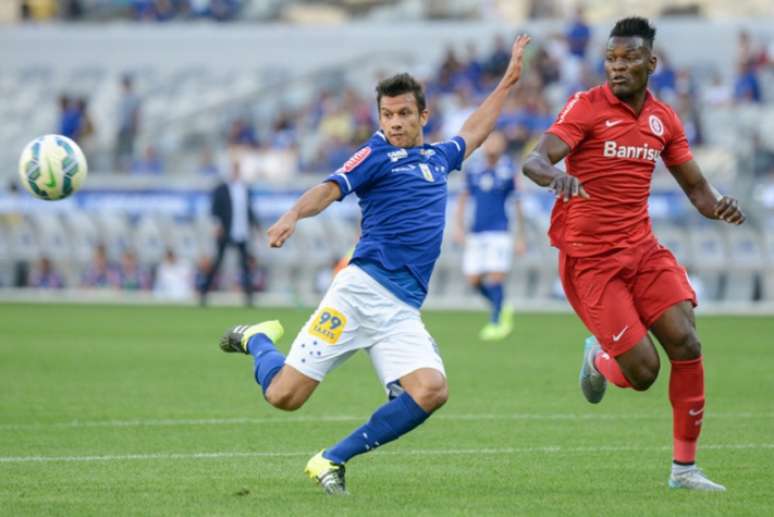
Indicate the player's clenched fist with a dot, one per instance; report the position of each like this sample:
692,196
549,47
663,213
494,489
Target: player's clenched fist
281,231
727,209
566,187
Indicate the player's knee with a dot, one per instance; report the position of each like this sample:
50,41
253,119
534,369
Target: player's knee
282,399
687,346
644,375
432,395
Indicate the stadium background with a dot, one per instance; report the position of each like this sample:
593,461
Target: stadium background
286,88
125,406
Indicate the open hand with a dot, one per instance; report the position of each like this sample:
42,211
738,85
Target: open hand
513,72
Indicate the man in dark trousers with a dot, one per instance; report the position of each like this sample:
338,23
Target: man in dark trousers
231,208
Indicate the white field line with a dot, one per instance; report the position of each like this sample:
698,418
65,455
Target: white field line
350,418
554,449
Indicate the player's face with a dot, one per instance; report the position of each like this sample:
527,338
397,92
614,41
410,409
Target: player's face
401,121
628,63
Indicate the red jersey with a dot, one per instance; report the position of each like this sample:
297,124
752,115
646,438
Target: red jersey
613,153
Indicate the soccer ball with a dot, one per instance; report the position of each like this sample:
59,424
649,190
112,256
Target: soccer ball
52,167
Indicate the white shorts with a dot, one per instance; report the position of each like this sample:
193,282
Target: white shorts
487,252
356,313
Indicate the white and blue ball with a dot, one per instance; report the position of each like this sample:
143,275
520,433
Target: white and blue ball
52,167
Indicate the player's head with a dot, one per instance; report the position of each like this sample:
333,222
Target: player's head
629,58
494,147
402,110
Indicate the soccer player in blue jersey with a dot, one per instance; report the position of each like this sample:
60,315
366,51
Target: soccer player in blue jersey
490,181
373,304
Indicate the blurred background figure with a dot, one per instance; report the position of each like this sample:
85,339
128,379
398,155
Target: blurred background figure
45,276
234,217
174,278
101,272
128,124
132,276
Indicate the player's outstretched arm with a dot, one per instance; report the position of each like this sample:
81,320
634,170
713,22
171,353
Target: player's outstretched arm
707,200
539,167
311,203
482,121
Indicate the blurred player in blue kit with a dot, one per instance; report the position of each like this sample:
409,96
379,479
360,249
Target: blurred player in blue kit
490,180
373,304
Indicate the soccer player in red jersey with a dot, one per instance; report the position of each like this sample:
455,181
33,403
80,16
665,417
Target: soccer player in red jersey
619,280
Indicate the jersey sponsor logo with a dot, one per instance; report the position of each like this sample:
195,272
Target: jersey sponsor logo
427,153
405,168
656,125
328,325
355,160
426,172
397,155
611,123
613,150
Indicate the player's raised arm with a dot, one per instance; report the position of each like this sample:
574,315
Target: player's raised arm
539,167
707,200
311,203
482,121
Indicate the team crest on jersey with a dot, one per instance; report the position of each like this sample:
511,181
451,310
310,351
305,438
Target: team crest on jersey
426,172
656,125
397,155
355,160
328,324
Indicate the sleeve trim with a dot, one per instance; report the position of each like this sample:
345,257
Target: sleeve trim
349,185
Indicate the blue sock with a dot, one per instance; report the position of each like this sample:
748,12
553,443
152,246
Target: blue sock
394,419
268,360
484,290
496,292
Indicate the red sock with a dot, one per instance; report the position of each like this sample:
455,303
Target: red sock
610,370
686,393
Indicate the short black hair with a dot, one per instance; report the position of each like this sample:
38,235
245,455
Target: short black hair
398,85
635,26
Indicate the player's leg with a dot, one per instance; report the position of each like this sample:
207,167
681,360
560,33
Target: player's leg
676,331
620,351
666,299
473,262
408,364
247,277
283,386
326,340
205,288
423,391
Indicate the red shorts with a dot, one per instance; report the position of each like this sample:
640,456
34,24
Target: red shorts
619,295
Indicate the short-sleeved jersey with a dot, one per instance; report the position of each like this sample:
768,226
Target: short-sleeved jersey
402,194
490,187
613,153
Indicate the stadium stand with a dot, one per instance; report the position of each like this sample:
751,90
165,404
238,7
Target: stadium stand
211,97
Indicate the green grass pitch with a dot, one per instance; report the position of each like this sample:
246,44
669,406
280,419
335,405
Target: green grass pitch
121,410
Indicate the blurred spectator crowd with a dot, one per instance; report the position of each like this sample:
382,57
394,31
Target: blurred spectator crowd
139,10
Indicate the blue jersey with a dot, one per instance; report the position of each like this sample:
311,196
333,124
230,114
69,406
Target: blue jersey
490,187
402,194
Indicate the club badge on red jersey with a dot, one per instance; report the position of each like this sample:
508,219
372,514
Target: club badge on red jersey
656,125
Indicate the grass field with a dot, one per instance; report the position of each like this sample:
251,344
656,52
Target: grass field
119,410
